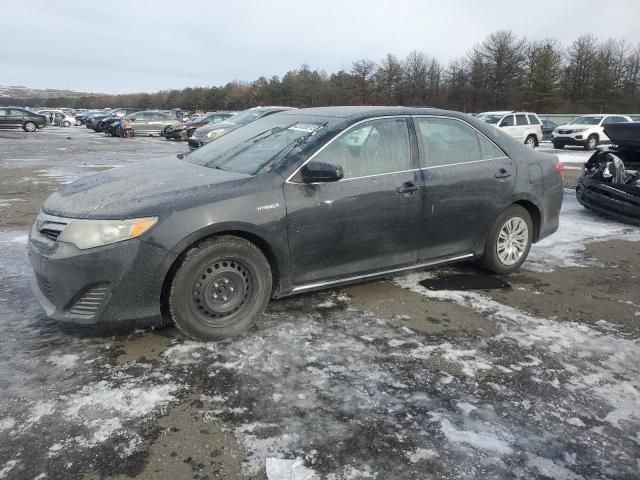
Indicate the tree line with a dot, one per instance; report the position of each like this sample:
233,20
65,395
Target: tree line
504,71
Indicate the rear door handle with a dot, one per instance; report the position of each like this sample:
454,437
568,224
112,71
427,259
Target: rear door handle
408,188
502,173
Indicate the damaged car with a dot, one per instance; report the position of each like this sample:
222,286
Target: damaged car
610,181
292,202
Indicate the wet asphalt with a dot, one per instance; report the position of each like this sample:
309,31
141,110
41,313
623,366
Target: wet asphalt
396,379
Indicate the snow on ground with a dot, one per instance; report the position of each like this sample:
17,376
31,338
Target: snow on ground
578,227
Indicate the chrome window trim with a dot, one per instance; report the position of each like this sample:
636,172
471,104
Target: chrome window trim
295,172
311,286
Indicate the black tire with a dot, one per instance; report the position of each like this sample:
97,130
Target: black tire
591,143
558,145
66,124
220,288
29,127
531,141
166,130
491,260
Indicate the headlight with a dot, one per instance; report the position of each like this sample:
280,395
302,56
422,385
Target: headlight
578,130
95,233
215,133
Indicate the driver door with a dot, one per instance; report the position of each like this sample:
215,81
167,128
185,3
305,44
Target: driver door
366,222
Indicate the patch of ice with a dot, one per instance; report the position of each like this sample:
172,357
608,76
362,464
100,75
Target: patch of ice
421,454
548,468
64,361
466,408
284,469
327,304
478,440
8,466
7,423
7,237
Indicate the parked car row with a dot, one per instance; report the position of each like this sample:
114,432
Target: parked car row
587,131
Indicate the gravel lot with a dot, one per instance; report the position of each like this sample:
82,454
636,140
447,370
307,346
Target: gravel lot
386,380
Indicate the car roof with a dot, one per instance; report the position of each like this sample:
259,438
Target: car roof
356,112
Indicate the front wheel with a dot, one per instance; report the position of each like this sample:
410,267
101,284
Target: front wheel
509,241
220,289
558,145
29,127
592,143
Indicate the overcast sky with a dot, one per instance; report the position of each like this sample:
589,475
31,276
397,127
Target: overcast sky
134,46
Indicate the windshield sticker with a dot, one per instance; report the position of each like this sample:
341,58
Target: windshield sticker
304,127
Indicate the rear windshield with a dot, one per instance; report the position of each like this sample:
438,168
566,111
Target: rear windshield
587,120
256,146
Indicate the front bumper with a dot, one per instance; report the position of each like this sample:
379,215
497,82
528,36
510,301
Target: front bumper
103,285
176,135
573,139
609,201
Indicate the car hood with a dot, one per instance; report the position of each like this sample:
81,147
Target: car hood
214,126
573,126
149,188
624,134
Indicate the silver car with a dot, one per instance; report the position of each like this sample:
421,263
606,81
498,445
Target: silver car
150,122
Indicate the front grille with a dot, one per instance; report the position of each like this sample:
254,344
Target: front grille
51,226
565,132
89,303
45,287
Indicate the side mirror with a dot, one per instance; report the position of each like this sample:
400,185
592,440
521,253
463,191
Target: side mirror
321,172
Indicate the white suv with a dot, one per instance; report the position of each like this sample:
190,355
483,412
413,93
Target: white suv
586,131
523,126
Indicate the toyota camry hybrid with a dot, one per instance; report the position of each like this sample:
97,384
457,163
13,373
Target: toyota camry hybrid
293,202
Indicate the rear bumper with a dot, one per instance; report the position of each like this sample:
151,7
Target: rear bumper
609,201
550,211
109,285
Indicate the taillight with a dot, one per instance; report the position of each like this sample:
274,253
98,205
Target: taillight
560,168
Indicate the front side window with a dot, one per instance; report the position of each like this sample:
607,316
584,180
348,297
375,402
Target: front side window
16,113
521,120
371,148
446,141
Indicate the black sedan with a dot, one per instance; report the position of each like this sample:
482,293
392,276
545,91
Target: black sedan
293,202
610,181
11,117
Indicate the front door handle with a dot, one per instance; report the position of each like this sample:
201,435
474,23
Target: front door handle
502,173
408,188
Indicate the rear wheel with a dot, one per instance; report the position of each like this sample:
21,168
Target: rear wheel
29,127
220,289
592,142
531,141
66,123
509,241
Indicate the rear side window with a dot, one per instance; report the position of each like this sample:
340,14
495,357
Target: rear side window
521,120
533,120
507,121
371,148
446,141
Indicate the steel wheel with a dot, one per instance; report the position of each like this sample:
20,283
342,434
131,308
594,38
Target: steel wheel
513,240
220,290
592,142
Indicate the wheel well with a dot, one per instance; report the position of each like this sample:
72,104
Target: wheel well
594,135
259,242
535,216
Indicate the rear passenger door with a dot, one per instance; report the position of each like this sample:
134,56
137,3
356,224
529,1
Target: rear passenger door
468,180
522,126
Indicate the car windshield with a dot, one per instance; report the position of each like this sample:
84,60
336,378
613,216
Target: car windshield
491,118
587,120
247,150
245,117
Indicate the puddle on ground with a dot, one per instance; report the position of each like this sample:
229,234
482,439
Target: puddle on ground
465,282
